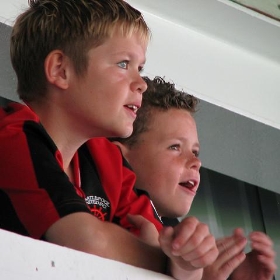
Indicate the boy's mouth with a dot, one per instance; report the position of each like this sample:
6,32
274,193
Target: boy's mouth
190,184
134,108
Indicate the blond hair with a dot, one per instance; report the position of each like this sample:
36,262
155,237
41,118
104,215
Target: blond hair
72,26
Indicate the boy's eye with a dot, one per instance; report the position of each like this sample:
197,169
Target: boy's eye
140,69
196,153
174,147
123,64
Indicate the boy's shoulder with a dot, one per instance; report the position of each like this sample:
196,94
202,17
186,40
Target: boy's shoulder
103,151
102,144
107,155
15,112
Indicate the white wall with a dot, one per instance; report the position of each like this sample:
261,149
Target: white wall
231,60
10,9
28,259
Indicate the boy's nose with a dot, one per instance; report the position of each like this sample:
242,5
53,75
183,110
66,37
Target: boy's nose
139,85
195,163
144,86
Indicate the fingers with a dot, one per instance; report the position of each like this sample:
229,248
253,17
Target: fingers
221,269
147,230
262,245
204,254
230,256
238,232
260,237
190,243
190,232
231,252
165,239
231,245
268,263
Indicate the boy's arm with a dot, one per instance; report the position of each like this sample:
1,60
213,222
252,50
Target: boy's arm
83,232
180,273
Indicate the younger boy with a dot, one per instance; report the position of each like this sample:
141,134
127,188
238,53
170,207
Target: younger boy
163,151
78,64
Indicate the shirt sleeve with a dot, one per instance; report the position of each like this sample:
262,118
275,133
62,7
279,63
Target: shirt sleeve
35,192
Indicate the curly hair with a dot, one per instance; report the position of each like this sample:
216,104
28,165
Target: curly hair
160,95
72,26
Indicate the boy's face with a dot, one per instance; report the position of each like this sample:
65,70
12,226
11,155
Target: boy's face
105,99
166,163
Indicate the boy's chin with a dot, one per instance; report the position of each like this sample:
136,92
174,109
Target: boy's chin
120,133
183,211
177,213
126,134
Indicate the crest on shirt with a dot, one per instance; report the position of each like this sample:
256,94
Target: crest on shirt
99,206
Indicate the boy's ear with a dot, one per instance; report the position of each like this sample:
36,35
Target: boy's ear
56,68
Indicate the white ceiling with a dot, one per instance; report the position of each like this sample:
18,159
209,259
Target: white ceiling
223,20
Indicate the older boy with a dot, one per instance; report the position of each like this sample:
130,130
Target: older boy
163,151
78,64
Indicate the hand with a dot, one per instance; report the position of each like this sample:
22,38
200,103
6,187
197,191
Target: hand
260,262
189,245
147,230
231,255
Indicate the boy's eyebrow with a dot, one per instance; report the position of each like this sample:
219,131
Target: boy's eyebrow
196,144
129,53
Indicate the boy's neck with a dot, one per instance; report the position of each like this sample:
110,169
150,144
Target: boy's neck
62,131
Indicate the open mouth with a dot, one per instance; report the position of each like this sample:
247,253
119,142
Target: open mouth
133,108
191,185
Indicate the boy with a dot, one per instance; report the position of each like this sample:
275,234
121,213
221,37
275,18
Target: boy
78,65
163,151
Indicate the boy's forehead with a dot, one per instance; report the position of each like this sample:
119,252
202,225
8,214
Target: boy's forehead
171,121
130,45
127,29
172,113
142,38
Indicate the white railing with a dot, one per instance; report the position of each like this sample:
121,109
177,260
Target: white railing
25,258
